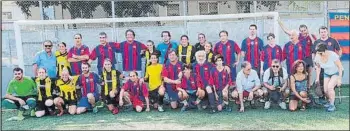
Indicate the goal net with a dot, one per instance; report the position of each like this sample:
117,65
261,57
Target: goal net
29,34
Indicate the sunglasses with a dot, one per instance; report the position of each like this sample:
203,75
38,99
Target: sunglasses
274,66
48,45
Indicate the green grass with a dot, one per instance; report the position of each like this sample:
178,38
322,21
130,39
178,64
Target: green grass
255,119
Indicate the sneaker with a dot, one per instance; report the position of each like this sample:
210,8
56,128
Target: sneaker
212,111
267,105
331,108
261,100
128,108
283,105
252,104
322,101
99,104
204,107
160,108
184,108
302,108
32,112
15,118
228,108
199,107
95,109
327,105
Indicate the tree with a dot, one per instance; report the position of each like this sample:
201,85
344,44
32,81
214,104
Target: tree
84,9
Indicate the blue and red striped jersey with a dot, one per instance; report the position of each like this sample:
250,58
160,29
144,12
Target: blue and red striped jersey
308,43
269,53
101,53
89,84
172,71
252,49
76,66
203,73
136,90
131,53
188,84
293,52
219,79
227,50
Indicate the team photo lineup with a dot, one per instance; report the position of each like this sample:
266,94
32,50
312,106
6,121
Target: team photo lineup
199,76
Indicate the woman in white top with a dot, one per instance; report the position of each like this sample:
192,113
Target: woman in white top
330,62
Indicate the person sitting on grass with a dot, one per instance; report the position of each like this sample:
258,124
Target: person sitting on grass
188,89
68,95
298,86
135,92
248,85
111,86
45,100
275,84
20,94
88,83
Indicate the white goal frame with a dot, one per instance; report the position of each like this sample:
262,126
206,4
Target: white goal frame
17,24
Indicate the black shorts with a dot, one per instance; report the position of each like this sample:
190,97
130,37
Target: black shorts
108,100
70,102
40,105
24,98
308,61
154,96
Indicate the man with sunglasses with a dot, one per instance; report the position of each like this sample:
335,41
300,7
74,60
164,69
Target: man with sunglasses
21,94
47,59
103,51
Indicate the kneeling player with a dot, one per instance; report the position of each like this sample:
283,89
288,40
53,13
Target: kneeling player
248,85
68,95
110,87
188,92
220,81
45,102
88,82
135,92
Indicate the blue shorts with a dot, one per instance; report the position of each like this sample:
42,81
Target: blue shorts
329,76
84,102
173,96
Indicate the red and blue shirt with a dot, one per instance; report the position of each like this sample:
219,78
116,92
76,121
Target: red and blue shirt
101,52
227,50
172,71
293,52
89,83
269,53
131,53
219,79
76,66
203,73
136,90
188,84
252,49
308,43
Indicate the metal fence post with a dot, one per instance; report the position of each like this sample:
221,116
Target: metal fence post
41,10
114,37
325,13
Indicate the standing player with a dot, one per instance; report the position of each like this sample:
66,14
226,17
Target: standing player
209,52
252,48
220,81
106,50
45,100
293,51
270,52
68,95
165,46
307,39
110,86
186,51
88,84
62,59
332,45
131,53
227,48
202,40
137,91
188,89
151,50
78,54
20,94
171,77
155,83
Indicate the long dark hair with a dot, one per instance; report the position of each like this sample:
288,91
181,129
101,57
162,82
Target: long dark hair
296,64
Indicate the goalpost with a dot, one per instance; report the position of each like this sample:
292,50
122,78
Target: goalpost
30,33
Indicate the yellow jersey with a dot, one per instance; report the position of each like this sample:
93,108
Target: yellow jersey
153,73
67,89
